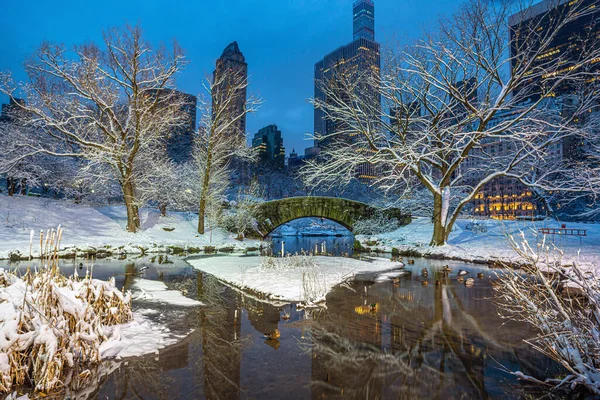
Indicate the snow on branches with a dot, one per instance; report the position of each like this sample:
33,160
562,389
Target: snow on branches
456,110
108,106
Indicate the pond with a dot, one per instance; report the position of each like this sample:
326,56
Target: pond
441,342
336,245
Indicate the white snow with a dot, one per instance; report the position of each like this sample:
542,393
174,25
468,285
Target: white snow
156,291
289,284
23,325
492,245
386,276
88,226
136,338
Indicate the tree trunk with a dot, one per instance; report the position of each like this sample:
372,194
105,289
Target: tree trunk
201,212
163,209
10,185
23,185
204,192
133,215
440,231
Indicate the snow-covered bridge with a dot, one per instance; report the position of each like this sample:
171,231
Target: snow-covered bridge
272,214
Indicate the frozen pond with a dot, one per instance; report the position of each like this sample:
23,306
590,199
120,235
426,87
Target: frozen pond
443,342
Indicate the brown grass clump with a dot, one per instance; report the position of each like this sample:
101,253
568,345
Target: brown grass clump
52,324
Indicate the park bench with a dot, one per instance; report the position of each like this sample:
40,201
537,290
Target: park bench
564,231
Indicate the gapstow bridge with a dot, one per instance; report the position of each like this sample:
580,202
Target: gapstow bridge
272,214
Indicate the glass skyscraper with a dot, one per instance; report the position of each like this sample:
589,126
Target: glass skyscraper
358,58
364,20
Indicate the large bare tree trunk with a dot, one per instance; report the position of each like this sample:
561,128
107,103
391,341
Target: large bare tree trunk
133,215
440,231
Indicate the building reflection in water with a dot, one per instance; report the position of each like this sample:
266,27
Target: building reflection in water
435,341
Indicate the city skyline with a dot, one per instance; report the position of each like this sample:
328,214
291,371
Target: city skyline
279,49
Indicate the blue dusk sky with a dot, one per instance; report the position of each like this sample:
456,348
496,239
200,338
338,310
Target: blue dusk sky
281,40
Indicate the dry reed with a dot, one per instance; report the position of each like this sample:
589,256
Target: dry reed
52,324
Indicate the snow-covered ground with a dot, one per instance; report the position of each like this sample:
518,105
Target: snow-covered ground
156,291
289,284
491,245
94,227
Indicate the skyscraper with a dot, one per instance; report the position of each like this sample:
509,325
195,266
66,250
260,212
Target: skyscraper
358,58
568,45
231,69
364,20
269,143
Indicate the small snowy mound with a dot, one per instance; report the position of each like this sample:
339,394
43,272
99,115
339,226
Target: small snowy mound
136,338
386,276
156,291
305,279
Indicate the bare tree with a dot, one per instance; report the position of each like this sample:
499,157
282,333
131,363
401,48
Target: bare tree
109,104
219,140
460,111
568,322
240,218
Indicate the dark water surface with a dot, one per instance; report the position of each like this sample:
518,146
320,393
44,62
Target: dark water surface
421,342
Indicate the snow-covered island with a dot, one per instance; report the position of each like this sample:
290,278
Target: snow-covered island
289,279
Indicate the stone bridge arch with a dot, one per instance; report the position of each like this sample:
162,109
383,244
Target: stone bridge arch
272,214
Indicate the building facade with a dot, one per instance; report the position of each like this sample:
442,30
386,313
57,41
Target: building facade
358,58
567,48
269,143
230,77
180,140
507,198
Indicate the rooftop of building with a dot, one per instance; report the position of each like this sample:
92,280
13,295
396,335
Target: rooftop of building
535,10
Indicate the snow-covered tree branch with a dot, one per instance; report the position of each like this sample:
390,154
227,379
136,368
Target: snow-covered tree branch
109,106
458,111
219,140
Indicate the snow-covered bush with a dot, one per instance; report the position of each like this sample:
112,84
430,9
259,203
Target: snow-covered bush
378,223
52,324
240,216
476,227
314,287
563,304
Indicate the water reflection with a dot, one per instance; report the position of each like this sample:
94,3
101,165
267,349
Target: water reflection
436,341
336,245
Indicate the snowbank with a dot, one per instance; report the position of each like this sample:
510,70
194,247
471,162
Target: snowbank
88,227
305,282
136,338
50,323
156,291
489,246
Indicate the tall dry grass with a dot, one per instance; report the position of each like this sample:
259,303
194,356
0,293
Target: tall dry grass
52,325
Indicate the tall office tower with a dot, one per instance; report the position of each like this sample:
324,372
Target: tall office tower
181,141
364,20
568,45
358,58
233,63
181,137
269,143
507,198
